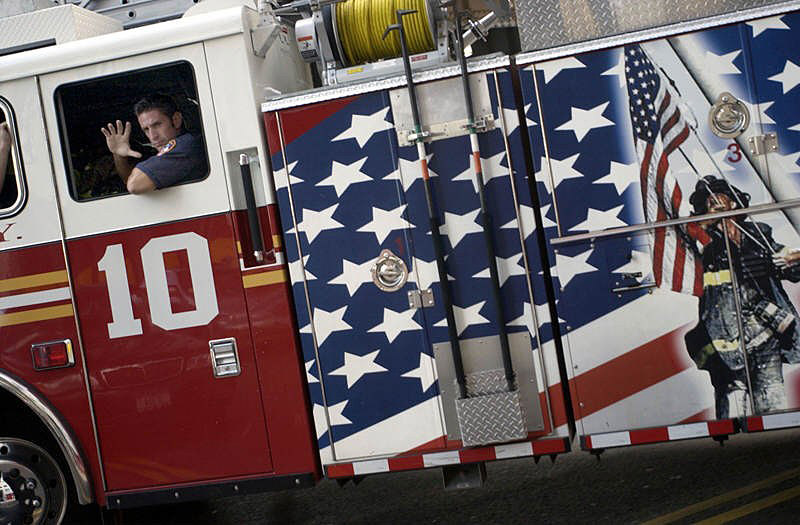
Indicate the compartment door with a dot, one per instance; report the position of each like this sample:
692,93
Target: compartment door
157,283
369,363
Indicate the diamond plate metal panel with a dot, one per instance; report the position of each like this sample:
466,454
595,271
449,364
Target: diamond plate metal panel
492,418
550,23
486,382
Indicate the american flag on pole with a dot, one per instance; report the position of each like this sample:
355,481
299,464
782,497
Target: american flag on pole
659,129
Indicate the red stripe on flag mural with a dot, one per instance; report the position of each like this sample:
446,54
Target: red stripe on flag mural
642,367
649,435
297,121
644,177
406,463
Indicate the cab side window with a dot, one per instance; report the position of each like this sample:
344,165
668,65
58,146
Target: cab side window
169,148
12,188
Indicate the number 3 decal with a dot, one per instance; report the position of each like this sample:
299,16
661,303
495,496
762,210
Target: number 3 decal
112,263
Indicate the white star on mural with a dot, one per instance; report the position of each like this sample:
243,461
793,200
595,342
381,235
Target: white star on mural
296,270
325,323
759,26
409,172
354,275
363,127
763,107
570,266
506,267
428,273
343,175
562,170
585,120
526,319
281,179
528,220
311,378
356,366
722,64
789,77
786,163
492,168
315,222
395,323
621,176
320,421
552,68
601,219
424,372
456,227
639,263
336,416
512,119
385,222
618,69
466,317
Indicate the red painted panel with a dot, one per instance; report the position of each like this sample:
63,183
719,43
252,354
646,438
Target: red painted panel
64,388
549,446
162,416
754,424
281,375
344,470
724,426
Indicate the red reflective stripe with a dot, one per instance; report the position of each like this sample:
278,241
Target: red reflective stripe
550,446
716,428
474,455
406,463
755,424
342,470
649,435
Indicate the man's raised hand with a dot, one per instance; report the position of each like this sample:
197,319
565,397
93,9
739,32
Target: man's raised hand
118,139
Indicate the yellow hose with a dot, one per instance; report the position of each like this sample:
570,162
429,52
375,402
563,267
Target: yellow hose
361,23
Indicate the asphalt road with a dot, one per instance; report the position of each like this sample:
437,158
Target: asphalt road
753,478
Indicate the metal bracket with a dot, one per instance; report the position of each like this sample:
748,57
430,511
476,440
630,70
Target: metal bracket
763,144
420,299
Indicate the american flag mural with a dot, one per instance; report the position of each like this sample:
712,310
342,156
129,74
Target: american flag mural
346,192
599,159
626,357
659,130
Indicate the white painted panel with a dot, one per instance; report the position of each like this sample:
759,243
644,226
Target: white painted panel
371,467
689,431
129,211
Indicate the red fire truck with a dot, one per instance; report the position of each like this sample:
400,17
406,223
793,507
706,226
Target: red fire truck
395,258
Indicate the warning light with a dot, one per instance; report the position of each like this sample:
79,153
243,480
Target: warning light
54,354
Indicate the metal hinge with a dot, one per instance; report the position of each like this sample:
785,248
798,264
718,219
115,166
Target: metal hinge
420,299
763,144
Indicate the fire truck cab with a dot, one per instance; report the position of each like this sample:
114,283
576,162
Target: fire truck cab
135,322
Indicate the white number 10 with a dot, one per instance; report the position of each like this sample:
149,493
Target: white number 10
123,322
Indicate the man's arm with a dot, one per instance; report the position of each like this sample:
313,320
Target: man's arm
5,152
118,139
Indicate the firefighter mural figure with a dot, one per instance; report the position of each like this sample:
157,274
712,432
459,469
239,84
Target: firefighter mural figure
769,319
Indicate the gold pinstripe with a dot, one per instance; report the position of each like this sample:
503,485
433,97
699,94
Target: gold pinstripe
264,278
33,280
38,314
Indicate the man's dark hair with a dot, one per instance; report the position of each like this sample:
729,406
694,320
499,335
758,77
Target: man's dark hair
709,185
157,101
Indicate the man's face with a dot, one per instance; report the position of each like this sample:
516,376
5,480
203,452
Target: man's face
719,202
159,127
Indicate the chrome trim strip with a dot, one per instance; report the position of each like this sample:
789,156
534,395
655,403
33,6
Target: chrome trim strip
656,32
359,88
58,428
599,234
